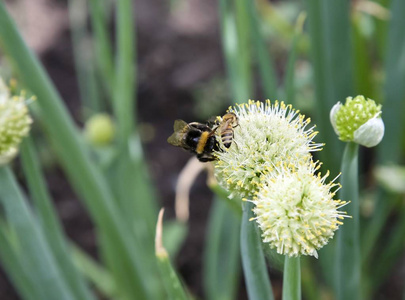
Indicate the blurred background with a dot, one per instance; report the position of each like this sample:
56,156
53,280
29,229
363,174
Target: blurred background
182,74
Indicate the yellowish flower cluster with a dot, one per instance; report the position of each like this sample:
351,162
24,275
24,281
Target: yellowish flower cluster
15,123
270,164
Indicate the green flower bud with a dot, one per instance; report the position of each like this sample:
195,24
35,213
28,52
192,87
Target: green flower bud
15,123
99,130
358,120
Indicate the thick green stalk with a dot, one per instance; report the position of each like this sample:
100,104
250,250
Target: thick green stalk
223,195
289,77
49,221
244,45
390,149
83,174
11,263
221,253
264,60
348,260
311,288
30,243
103,49
231,43
392,251
95,273
125,73
329,31
292,278
254,264
83,57
363,72
133,188
171,281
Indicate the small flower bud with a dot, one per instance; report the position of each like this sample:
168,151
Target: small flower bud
99,130
15,123
296,211
358,120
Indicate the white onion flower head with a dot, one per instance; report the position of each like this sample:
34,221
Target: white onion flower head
15,123
358,120
296,212
267,136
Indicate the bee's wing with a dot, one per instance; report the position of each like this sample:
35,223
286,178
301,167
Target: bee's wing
214,121
176,139
179,125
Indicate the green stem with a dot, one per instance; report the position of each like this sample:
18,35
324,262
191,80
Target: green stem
310,285
97,274
49,221
83,56
289,77
292,278
348,260
104,56
390,149
83,174
174,287
125,80
223,194
329,31
264,59
30,244
221,253
231,44
15,268
253,261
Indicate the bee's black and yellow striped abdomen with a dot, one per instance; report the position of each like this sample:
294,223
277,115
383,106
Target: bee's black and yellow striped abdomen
227,137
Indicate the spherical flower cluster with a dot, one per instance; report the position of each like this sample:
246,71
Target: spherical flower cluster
270,164
15,123
358,120
267,136
296,211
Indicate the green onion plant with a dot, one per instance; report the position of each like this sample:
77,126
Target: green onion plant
274,218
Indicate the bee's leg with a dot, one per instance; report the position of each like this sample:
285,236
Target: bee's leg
213,131
233,141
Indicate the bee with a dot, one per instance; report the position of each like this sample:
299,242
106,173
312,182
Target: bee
225,128
195,137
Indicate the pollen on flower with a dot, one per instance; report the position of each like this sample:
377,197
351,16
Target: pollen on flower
295,211
15,123
268,135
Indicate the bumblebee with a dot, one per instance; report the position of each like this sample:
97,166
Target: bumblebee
195,137
225,128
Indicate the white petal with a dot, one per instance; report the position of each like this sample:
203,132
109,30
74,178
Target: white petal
332,115
370,133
